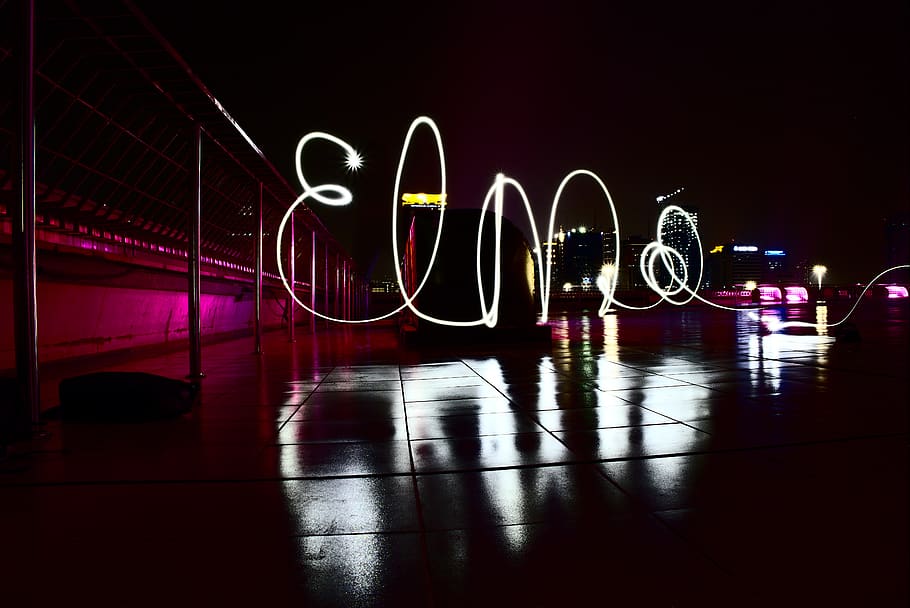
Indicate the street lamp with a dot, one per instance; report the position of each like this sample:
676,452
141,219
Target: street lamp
819,271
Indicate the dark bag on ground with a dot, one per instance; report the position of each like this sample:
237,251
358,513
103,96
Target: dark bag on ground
124,397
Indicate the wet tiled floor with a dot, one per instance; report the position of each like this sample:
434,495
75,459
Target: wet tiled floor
670,458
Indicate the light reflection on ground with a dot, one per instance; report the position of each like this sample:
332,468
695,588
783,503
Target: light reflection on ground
501,437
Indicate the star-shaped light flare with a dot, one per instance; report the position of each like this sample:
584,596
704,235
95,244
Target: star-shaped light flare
353,161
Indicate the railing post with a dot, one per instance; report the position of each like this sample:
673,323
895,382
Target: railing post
194,256
326,283
337,288
344,289
293,281
313,284
258,279
25,299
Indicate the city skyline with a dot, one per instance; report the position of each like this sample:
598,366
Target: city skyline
784,124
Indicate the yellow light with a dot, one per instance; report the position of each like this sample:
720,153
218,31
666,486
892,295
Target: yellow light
750,285
422,199
717,249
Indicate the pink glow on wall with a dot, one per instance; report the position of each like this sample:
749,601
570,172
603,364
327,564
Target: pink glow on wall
796,295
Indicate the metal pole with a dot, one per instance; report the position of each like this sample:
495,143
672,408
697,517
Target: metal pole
347,290
258,320
25,299
337,286
293,281
325,291
344,289
313,284
194,258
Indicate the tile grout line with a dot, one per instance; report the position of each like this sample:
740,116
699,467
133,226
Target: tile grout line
424,546
302,403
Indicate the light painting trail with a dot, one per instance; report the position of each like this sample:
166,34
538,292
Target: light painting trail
677,292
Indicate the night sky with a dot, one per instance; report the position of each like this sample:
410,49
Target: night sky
785,122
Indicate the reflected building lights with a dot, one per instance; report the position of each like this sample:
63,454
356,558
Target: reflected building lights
506,491
821,319
764,363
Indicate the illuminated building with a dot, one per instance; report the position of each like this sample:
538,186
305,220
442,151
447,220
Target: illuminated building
553,251
733,265
776,267
630,276
677,232
578,255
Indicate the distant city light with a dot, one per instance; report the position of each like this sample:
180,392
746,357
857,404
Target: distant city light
664,197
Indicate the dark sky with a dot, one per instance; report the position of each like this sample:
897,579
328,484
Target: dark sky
785,122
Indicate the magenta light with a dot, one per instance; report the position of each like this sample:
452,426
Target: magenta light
896,291
797,295
769,294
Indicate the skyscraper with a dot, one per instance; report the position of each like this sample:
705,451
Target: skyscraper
677,232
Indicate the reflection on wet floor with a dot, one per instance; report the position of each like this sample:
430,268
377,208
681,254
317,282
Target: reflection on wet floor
662,458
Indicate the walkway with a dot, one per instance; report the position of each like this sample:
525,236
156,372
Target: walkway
668,458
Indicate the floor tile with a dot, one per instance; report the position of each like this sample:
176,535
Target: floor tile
362,571
468,453
352,505
520,496
505,423
583,419
635,442
342,459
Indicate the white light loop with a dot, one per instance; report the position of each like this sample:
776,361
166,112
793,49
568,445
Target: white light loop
671,259
545,296
353,162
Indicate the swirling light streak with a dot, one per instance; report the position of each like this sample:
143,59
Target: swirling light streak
491,316
606,283
608,294
667,255
859,298
671,259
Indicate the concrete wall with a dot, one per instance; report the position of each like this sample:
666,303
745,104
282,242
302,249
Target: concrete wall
88,306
